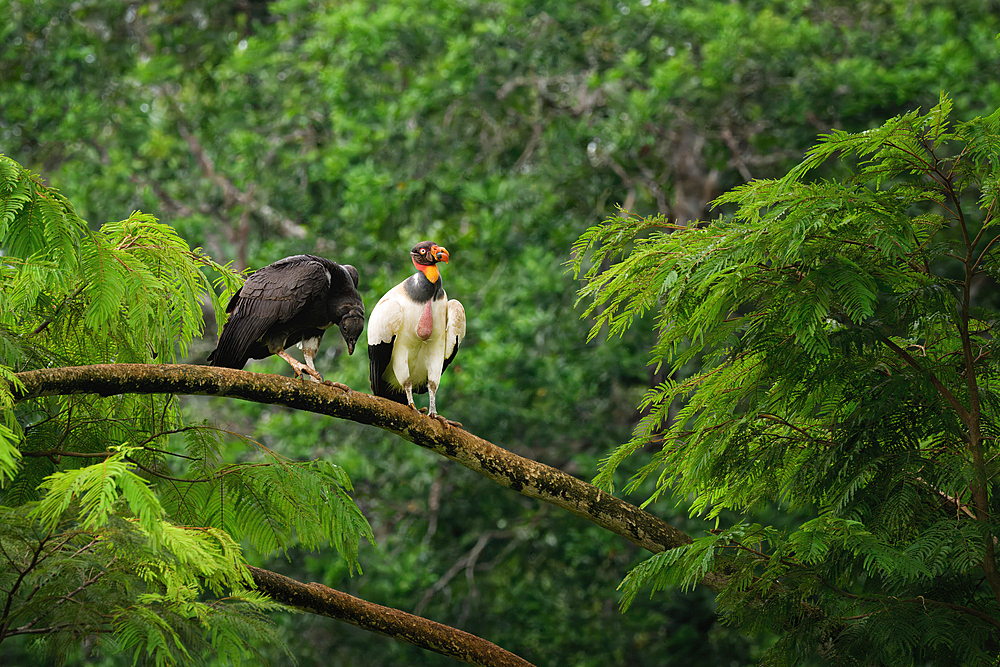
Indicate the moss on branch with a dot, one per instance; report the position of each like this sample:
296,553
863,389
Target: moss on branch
527,477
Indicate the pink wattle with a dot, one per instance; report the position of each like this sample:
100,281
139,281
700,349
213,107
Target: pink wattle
425,327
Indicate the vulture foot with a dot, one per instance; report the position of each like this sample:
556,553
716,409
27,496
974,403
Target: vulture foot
313,375
446,422
339,385
300,368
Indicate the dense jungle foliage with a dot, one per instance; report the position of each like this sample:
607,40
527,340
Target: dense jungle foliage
505,131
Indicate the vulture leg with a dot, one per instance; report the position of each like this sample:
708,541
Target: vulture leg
300,367
310,346
447,422
432,388
432,411
401,369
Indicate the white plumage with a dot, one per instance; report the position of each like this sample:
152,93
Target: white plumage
414,332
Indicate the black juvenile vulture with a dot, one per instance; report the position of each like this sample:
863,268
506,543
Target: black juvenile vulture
414,332
293,300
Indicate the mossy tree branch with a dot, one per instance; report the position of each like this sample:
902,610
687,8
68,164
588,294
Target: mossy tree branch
325,601
528,477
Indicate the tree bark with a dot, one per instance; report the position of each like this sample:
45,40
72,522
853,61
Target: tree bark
527,477
443,639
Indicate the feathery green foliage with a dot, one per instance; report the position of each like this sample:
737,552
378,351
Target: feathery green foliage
271,503
108,526
847,367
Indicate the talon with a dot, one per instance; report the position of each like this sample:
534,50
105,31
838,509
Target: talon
304,372
447,423
339,385
422,411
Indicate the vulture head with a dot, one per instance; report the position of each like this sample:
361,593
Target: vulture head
352,314
426,255
350,328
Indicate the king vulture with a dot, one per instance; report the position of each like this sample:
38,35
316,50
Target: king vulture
414,332
294,300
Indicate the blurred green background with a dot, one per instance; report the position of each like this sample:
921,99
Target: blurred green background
502,130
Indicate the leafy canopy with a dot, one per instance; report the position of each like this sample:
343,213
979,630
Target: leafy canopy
108,525
843,330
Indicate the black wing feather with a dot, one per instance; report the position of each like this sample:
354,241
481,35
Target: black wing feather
245,327
448,360
379,358
269,300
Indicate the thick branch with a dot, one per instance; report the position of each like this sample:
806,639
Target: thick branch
443,639
525,476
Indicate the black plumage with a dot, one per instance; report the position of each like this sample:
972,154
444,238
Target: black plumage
293,300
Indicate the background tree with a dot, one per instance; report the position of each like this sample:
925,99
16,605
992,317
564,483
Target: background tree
504,130
69,531
847,368
90,550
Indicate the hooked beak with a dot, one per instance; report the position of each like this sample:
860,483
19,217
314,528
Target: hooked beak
440,253
350,328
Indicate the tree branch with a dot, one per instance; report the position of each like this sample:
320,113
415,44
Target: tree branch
530,478
233,193
527,477
443,639
956,405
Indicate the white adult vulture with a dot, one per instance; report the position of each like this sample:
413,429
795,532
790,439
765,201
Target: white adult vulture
414,332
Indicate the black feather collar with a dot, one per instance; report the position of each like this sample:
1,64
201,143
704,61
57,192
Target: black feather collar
421,290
